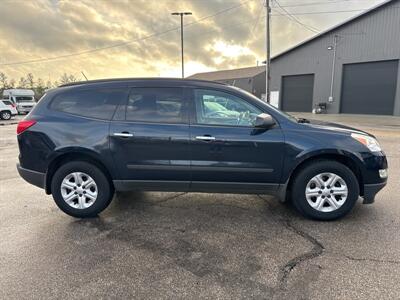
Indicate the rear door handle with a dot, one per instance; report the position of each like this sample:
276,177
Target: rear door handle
123,134
205,138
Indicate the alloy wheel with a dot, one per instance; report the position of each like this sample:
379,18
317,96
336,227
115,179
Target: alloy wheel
79,190
6,115
326,192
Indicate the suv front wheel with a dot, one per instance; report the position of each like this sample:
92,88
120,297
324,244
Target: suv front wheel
325,190
81,189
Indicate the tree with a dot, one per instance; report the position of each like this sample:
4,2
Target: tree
65,78
11,84
30,81
40,88
22,83
3,81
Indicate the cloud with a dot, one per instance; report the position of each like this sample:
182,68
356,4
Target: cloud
49,28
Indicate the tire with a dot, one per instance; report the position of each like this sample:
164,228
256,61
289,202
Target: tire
74,175
5,115
312,177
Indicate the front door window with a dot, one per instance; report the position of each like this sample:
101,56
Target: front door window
220,108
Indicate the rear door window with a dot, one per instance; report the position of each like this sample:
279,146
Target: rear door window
91,103
157,105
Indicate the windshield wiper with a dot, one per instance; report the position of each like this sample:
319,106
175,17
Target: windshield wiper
303,120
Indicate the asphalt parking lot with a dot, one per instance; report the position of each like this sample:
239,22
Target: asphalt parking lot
179,245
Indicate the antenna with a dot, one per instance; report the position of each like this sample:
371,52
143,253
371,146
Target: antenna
84,76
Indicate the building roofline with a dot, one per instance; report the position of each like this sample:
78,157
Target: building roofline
225,70
370,10
262,69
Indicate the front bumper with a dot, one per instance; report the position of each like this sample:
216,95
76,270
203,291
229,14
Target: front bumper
33,177
25,109
370,191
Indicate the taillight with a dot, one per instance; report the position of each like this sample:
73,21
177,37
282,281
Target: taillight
13,105
24,125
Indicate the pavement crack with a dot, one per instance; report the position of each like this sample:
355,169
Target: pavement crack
169,199
160,202
316,251
231,206
365,259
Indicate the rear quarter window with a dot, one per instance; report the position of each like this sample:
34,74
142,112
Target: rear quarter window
93,103
6,102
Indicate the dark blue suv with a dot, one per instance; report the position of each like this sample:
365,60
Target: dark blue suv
85,140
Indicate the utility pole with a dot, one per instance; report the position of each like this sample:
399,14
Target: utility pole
181,14
268,49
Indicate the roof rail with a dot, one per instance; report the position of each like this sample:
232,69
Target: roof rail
135,79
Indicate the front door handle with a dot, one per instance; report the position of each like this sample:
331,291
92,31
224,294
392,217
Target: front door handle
205,138
123,134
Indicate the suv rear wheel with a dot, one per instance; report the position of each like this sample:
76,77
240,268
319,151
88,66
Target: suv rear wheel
81,189
5,115
325,190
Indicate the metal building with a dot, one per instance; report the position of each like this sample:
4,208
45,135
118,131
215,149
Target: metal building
251,79
352,67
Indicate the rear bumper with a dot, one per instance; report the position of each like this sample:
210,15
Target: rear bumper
33,177
370,190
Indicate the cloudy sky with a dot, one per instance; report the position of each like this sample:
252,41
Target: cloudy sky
131,38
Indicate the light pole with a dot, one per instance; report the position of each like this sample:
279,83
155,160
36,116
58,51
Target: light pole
182,14
334,47
268,49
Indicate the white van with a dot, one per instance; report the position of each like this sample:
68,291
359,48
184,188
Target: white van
24,99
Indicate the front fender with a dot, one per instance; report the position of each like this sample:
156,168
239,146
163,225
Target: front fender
293,162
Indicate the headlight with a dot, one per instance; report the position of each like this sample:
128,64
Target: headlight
371,143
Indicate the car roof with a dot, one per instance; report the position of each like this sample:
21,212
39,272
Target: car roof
150,81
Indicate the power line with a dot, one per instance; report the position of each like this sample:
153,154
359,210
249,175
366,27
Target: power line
123,43
257,19
291,19
259,16
287,15
87,51
290,16
317,3
326,12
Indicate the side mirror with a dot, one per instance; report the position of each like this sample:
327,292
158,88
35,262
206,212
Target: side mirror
264,121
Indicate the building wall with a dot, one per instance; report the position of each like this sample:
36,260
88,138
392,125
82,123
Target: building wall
259,85
254,85
243,83
373,37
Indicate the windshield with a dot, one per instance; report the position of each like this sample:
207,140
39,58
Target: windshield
7,102
285,114
24,99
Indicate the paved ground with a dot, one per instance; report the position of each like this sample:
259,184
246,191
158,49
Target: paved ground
12,121
177,245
